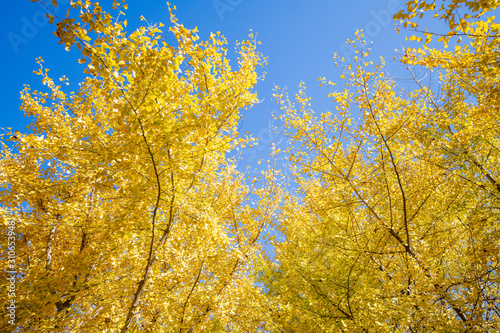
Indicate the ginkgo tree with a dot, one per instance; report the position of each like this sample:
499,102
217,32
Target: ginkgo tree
128,214
394,226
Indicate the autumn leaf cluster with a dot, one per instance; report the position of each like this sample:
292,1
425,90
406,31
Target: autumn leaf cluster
130,217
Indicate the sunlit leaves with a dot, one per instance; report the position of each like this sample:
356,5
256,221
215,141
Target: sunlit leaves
122,190
394,223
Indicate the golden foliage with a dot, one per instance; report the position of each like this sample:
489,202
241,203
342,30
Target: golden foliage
130,217
394,226
128,214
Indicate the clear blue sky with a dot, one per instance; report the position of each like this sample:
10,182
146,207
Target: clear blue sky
298,37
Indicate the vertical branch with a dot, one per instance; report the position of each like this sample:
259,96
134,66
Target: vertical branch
84,241
190,293
84,234
151,257
48,249
393,162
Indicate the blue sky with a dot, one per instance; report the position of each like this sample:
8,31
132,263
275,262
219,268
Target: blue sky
298,37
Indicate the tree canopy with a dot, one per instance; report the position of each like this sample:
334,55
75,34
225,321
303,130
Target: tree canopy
130,216
395,226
